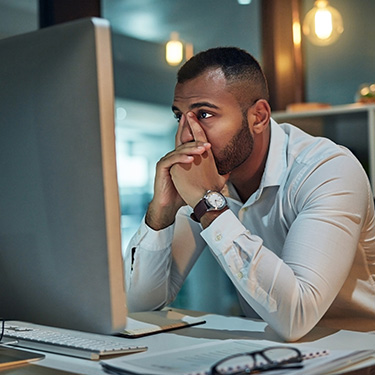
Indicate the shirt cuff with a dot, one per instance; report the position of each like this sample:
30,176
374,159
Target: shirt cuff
221,233
154,240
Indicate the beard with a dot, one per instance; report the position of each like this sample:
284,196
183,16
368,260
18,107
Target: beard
236,151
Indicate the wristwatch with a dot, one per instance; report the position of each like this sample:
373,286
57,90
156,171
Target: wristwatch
211,201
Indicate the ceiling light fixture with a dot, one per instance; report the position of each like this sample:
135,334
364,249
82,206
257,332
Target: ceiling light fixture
323,24
174,50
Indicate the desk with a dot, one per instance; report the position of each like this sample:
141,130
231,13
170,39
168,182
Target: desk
217,328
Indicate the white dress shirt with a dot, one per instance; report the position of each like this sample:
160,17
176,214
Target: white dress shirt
301,248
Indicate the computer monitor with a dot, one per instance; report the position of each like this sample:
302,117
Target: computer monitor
60,233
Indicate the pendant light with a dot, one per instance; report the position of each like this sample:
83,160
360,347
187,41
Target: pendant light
323,24
174,50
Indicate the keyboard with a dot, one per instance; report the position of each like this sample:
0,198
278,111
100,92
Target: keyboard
66,342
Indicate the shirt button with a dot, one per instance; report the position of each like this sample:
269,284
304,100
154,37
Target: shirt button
239,275
218,237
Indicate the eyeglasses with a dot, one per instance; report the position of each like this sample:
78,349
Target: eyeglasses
272,358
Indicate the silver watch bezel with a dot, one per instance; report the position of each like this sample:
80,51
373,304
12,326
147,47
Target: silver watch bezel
209,194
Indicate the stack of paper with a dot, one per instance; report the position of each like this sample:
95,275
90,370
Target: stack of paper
198,359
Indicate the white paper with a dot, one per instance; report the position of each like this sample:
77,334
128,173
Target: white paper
198,359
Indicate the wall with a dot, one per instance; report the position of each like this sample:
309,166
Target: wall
18,17
334,73
141,72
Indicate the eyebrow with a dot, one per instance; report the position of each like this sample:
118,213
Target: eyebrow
197,105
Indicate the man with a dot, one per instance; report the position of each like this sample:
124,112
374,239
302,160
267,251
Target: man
289,217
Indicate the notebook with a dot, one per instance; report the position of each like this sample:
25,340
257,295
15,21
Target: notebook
151,322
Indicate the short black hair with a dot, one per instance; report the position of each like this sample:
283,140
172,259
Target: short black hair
237,65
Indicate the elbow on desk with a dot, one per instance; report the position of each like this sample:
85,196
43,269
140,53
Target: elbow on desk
293,328
292,337
292,332
137,304
146,299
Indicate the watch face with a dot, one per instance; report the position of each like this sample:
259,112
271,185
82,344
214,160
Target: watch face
215,200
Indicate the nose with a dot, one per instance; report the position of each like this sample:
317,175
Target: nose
186,133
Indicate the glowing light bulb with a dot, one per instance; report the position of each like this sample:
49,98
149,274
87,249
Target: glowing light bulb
323,24
174,50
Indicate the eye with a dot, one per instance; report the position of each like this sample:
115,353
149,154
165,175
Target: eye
177,116
203,115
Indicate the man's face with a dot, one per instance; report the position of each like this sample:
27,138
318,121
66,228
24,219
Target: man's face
219,115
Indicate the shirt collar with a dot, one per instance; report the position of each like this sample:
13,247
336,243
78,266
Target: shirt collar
276,163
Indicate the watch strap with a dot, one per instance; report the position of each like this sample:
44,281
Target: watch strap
200,209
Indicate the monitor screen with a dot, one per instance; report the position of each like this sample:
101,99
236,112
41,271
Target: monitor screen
60,232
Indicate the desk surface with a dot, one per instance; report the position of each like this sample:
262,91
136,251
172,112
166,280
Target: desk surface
217,328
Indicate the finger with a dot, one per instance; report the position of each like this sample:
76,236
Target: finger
175,158
196,129
184,154
193,148
179,131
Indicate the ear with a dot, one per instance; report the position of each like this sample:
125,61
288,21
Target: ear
259,115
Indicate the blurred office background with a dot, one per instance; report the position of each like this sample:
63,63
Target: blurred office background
144,84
